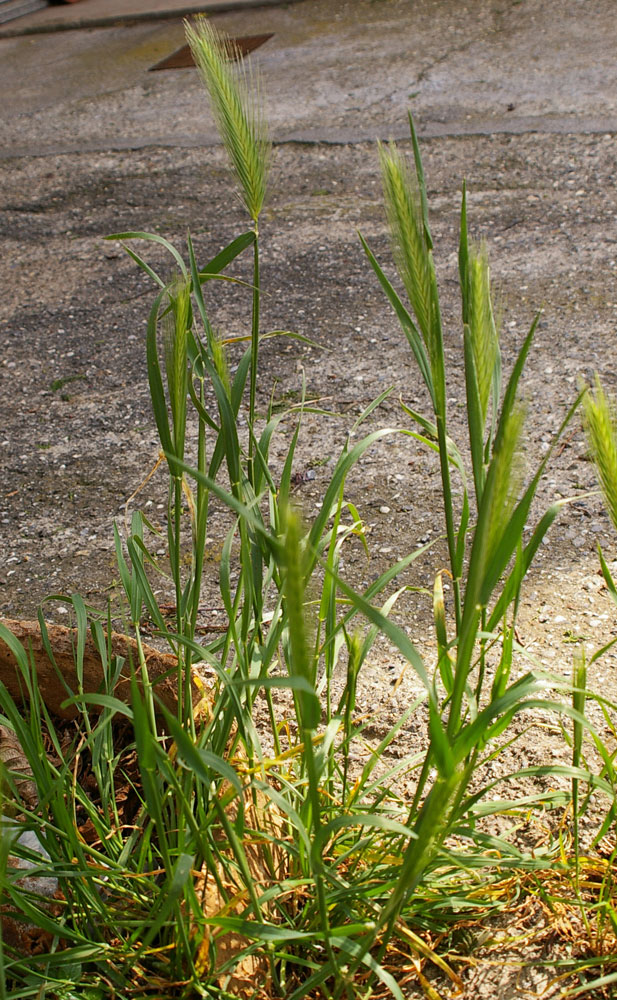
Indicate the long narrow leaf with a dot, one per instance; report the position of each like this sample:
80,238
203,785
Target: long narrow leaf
408,326
225,257
154,238
392,631
474,416
344,464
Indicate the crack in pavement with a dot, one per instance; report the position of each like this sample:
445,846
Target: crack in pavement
556,125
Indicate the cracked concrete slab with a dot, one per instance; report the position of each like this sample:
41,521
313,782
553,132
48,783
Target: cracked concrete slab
333,72
520,102
106,13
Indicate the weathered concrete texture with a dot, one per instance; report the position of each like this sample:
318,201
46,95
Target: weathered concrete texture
334,72
78,436
77,431
105,13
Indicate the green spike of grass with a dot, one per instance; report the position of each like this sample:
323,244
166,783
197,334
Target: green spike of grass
508,463
484,336
404,213
301,661
235,99
221,363
600,421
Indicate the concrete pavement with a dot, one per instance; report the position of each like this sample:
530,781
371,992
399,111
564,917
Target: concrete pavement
105,13
519,101
333,72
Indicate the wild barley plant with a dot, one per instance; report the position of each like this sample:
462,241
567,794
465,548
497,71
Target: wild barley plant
488,554
488,560
599,417
495,429
356,857
236,103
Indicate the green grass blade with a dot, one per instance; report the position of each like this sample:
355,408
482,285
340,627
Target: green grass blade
225,257
354,950
421,182
443,652
157,393
431,440
463,257
201,306
142,589
248,513
514,579
408,326
592,987
144,266
371,407
475,419
169,898
344,464
607,576
103,700
203,763
511,392
154,238
396,635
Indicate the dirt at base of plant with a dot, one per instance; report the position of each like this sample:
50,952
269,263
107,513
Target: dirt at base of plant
78,437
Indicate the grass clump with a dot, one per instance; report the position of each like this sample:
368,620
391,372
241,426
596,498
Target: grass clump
197,852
